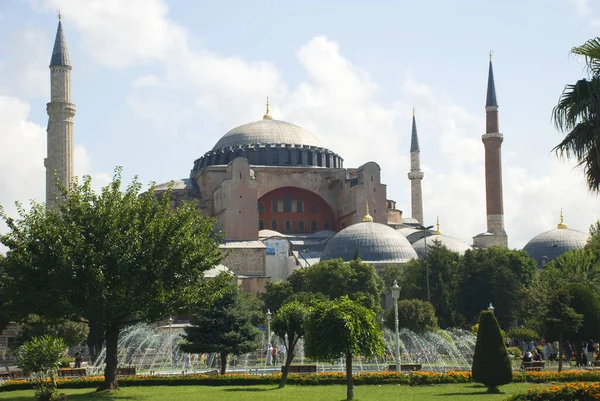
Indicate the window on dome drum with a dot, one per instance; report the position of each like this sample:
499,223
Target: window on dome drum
287,202
299,206
263,156
275,156
261,225
261,207
313,208
285,157
288,225
274,205
301,226
326,225
274,225
313,226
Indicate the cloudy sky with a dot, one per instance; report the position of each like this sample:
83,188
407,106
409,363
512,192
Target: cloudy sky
156,83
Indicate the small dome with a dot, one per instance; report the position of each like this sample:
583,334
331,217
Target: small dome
551,244
269,233
453,244
376,243
264,132
406,231
184,183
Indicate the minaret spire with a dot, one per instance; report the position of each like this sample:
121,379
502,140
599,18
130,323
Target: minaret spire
61,111
492,142
415,175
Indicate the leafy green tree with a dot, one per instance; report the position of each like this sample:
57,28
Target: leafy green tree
594,241
574,266
522,334
276,294
577,114
560,317
72,333
496,275
491,364
443,266
585,302
40,357
288,323
226,327
335,278
342,328
4,320
413,314
112,258
391,273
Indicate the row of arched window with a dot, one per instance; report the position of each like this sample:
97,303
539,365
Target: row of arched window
287,225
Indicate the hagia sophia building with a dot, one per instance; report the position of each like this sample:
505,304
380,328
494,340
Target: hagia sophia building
284,201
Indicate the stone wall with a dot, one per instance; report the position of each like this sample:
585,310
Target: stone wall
245,261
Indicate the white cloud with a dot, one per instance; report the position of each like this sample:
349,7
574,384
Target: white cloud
582,7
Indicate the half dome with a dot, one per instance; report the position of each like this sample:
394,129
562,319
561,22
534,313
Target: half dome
551,244
267,132
453,244
376,243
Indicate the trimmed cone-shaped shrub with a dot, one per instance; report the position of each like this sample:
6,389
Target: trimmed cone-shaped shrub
491,364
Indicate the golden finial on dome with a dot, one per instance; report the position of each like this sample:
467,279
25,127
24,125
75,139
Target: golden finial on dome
437,226
267,116
562,224
367,217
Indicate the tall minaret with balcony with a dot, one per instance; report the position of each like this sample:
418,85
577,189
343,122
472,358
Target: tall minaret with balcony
415,175
492,142
61,111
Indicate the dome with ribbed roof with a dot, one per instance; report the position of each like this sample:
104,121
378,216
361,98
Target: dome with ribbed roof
267,132
551,244
453,244
376,243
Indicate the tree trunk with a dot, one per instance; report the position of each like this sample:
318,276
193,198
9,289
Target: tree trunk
223,362
288,361
349,381
110,372
560,350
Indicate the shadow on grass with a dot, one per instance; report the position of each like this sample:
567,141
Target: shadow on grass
250,390
470,392
99,395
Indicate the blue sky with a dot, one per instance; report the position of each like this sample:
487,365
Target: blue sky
157,83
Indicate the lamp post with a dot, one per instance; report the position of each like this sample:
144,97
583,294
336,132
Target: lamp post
395,296
426,264
171,340
268,326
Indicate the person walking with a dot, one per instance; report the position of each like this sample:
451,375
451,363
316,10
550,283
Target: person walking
591,350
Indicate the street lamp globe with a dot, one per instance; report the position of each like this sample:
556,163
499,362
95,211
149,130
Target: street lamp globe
395,290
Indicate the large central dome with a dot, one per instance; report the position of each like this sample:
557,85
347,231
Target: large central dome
263,132
269,142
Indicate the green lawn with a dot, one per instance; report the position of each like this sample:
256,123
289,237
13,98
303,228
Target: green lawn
445,392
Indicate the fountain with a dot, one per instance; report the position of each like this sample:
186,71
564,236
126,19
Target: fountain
155,350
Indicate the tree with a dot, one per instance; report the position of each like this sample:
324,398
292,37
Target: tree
288,323
113,259
40,357
585,302
335,278
276,294
491,364
413,314
226,327
72,333
496,275
522,334
577,114
574,266
342,328
443,266
560,317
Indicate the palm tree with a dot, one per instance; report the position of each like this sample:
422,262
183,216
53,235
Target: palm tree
578,115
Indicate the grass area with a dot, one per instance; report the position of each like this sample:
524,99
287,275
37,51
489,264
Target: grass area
446,392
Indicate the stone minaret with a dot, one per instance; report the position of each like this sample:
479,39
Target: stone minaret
415,175
60,119
492,141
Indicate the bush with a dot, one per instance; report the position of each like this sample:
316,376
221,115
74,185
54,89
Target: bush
522,334
65,362
491,364
40,358
413,314
569,392
514,352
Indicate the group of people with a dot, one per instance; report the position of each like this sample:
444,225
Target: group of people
550,351
275,354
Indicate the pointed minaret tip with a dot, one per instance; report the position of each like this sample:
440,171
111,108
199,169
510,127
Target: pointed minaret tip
60,54
491,88
414,139
267,115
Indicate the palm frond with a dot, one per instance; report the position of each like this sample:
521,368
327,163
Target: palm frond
591,51
577,103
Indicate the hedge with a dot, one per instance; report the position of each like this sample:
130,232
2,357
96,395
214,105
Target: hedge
325,378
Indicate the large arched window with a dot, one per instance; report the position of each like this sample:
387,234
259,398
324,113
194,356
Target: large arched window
261,207
261,225
313,226
288,225
301,226
274,225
